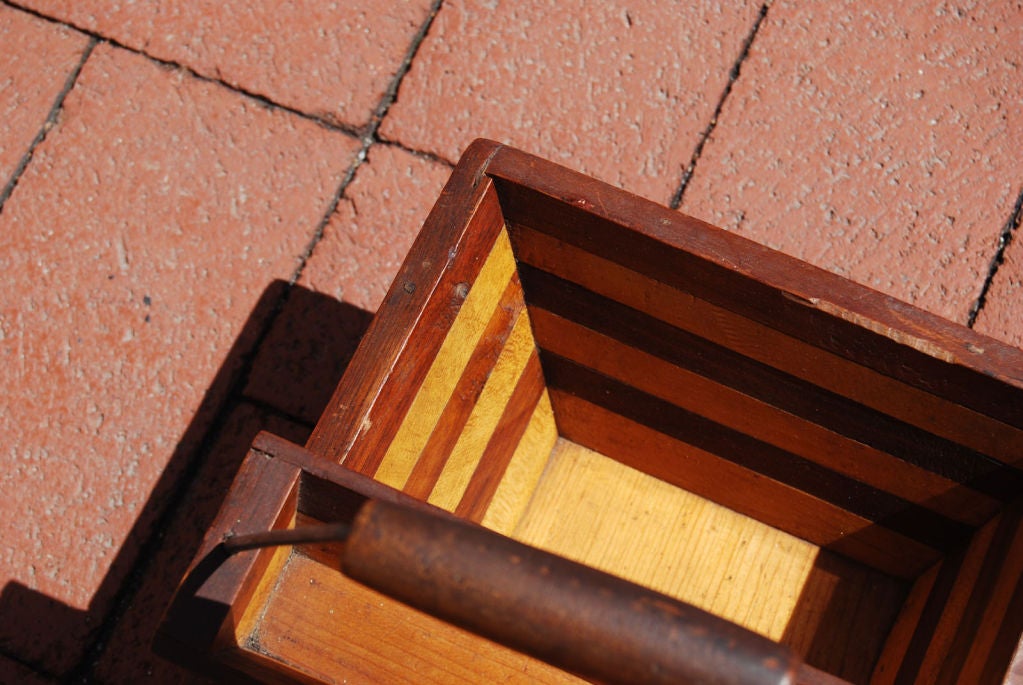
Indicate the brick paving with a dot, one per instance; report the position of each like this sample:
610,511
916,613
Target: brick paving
37,57
197,237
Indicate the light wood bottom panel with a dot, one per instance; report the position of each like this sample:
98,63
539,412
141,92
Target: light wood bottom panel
834,612
332,629
607,515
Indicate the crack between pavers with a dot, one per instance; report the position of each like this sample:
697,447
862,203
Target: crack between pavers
733,76
1005,237
368,138
421,154
262,100
48,124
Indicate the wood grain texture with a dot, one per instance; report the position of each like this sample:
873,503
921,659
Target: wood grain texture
842,617
832,611
783,293
423,299
524,471
216,593
767,345
760,420
315,613
744,490
485,417
743,410
728,445
445,369
898,639
602,513
503,442
466,394
809,401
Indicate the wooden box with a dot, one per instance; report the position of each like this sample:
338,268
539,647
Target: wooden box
610,380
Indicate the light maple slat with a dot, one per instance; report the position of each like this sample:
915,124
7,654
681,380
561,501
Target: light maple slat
910,521
714,558
492,466
314,609
483,421
466,392
425,297
524,471
445,369
601,513
624,385
807,400
739,275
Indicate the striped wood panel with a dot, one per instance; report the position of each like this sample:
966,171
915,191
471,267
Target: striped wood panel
480,411
966,621
900,475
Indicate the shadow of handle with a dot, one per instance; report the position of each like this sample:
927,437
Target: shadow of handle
572,616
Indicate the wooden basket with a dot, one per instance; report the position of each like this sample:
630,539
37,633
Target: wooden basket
600,377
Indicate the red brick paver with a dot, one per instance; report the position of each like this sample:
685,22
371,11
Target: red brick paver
36,58
362,247
131,252
374,226
333,60
621,91
879,140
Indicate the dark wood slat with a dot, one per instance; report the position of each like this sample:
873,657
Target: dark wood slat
503,442
738,488
759,420
199,624
467,391
892,512
980,599
1007,642
782,292
385,359
752,339
463,225
803,399
930,617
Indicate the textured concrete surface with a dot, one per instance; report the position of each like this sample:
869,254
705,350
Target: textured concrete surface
619,90
36,58
332,60
183,263
878,140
